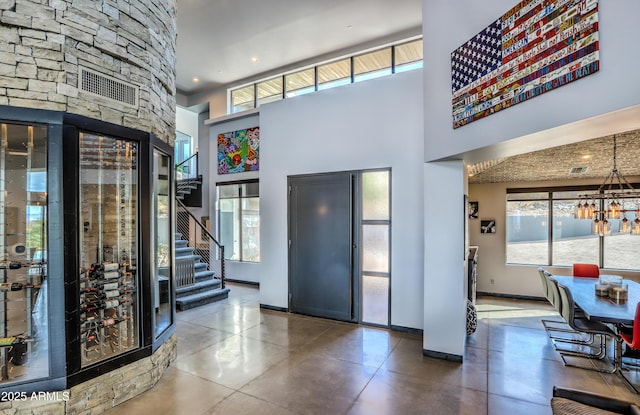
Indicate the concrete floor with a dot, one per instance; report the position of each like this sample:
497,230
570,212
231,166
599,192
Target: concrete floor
234,358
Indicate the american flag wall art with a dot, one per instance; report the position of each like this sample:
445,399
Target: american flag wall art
533,48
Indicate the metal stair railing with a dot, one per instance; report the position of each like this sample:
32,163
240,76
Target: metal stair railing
187,173
200,239
185,272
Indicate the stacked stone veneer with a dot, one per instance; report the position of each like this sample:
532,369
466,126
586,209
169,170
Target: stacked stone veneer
101,393
43,43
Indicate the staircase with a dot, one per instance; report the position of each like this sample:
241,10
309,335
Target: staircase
203,287
199,258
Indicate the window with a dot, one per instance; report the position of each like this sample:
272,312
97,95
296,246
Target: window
542,230
243,99
334,74
372,65
573,240
238,209
183,150
527,228
269,91
621,249
408,56
300,83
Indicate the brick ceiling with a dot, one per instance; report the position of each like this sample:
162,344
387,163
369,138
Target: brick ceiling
555,163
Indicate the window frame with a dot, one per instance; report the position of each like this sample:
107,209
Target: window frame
550,217
239,198
317,86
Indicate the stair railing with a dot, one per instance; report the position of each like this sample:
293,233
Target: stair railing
187,172
200,239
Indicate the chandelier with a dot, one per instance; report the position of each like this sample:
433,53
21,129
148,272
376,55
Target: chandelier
609,203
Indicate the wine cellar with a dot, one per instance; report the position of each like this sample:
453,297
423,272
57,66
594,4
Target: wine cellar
86,222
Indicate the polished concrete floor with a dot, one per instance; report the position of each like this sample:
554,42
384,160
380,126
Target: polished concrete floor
234,358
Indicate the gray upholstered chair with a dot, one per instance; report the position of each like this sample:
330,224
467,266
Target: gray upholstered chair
568,401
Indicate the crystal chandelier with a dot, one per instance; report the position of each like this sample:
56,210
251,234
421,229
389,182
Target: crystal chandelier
609,203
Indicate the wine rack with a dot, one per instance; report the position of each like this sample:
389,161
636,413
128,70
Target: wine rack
107,299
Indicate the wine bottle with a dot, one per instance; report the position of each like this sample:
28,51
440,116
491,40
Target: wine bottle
14,286
107,322
99,305
106,275
104,286
106,266
104,294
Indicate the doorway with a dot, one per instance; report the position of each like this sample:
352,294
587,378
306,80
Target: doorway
322,245
339,246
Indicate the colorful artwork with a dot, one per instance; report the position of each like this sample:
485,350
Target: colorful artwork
537,46
238,151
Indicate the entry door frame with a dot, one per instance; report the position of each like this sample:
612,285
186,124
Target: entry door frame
355,220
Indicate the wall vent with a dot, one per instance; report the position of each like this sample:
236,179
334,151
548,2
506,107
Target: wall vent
108,87
578,170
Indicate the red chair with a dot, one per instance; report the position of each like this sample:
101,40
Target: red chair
586,270
632,338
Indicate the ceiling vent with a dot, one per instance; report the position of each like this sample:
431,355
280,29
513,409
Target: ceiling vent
578,170
108,87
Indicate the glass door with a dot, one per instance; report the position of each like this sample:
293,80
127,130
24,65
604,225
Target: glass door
376,242
108,247
161,234
24,337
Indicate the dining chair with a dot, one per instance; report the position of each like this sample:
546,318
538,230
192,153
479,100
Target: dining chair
598,331
575,401
632,340
586,270
552,326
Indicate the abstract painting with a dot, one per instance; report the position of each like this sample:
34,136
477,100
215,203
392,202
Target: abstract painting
536,47
238,151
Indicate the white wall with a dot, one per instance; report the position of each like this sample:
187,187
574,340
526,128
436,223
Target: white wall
445,259
374,124
187,123
242,271
447,25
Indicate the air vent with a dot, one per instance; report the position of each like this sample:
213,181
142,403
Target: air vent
108,87
578,170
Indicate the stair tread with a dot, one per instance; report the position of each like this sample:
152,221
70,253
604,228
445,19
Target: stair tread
206,297
200,285
195,257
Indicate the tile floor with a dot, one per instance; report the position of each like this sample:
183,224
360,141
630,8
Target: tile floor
234,358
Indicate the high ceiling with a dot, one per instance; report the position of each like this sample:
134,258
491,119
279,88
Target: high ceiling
223,41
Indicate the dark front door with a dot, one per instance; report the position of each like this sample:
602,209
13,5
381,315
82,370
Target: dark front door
321,267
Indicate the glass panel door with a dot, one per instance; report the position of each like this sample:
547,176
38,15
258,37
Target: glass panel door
376,234
108,247
24,341
161,235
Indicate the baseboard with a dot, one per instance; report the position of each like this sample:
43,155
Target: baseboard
442,356
273,308
409,330
257,284
513,296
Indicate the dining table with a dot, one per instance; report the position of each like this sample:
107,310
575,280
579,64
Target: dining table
602,308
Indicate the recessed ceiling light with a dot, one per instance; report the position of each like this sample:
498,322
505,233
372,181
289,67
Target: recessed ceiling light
254,60
196,80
